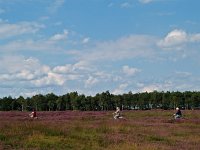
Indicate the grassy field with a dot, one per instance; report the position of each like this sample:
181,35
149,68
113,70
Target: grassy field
75,130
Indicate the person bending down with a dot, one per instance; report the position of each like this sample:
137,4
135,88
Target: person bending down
117,114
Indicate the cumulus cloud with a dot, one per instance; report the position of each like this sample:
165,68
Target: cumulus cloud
9,30
162,86
87,70
63,69
120,89
177,38
130,71
150,88
30,71
50,79
90,81
58,37
59,75
20,68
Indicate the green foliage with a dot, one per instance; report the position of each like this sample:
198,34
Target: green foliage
2,137
104,101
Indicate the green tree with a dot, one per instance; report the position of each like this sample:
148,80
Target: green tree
74,101
22,102
51,101
61,103
6,103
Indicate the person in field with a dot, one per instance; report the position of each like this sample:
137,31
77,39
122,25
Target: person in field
178,113
117,114
33,114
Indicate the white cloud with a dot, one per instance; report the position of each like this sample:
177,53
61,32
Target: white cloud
178,81
90,81
46,44
15,69
25,74
56,5
88,69
82,66
59,75
150,88
58,37
30,72
120,89
194,37
177,38
85,40
28,94
123,48
19,68
128,71
50,79
165,86
9,30
63,69
30,45
103,75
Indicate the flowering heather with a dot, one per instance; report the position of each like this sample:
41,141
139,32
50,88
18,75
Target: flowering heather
152,129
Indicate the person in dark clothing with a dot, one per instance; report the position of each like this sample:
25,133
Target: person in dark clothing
33,114
178,113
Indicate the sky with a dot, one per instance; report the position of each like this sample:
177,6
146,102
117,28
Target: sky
91,46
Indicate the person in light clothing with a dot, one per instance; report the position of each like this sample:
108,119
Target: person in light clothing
117,114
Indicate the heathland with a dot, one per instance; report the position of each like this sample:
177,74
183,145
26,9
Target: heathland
97,130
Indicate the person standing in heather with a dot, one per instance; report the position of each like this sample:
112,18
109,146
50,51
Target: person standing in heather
178,113
117,113
33,114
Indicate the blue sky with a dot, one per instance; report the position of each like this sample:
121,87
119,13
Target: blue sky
91,46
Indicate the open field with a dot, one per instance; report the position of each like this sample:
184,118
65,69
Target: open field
152,129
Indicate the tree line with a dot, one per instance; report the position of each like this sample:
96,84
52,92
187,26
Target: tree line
103,101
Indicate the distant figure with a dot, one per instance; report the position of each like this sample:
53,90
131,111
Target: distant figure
178,113
33,114
117,114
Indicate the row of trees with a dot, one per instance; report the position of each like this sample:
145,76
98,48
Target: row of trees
103,101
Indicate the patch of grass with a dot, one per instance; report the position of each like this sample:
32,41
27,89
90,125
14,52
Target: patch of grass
104,129
43,142
2,137
155,138
146,130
